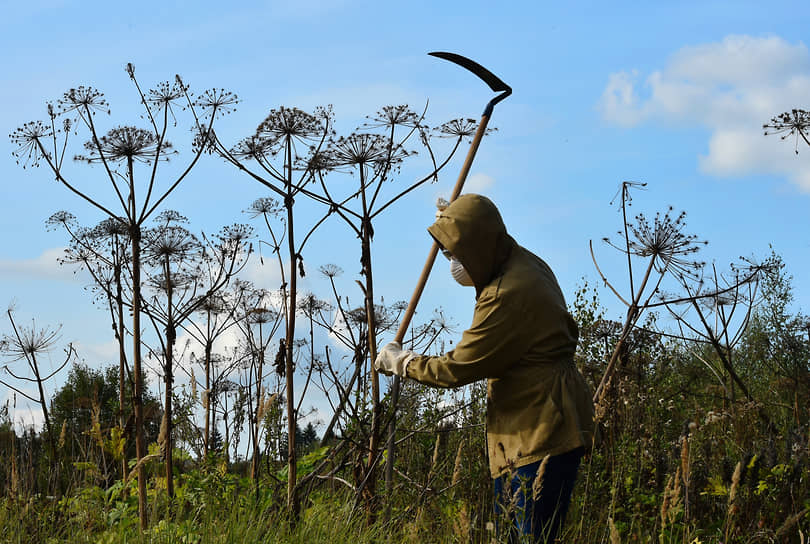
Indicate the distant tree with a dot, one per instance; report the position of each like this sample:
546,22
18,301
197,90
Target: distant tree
779,339
307,439
216,443
86,410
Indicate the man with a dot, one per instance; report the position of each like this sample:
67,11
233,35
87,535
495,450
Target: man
522,340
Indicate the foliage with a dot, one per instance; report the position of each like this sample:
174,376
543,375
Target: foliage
680,457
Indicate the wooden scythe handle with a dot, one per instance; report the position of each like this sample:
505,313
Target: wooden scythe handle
417,294
434,250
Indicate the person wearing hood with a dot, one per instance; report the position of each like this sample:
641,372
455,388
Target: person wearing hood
522,341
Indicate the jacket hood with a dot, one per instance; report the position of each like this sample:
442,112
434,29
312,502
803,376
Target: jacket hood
471,228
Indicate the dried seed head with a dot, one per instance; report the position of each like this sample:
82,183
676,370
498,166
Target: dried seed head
614,532
84,100
28,139
795,123
665,502
264,206
125,143
15,483
537,486
295,124
457,464
685,472
165,94
163,435
436,447
665,242
735,483
63,435
215,102
29,341
458,128
391,116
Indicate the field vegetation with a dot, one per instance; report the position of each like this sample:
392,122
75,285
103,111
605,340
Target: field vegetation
701,387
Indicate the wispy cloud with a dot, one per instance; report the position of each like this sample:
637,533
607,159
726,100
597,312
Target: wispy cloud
105,353
45,267
730,87
479,183
265,274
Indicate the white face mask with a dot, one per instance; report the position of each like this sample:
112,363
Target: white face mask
460,273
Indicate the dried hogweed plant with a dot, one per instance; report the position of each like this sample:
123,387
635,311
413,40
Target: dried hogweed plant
282,155
715,310
375,156
128,158
667,249
790,124
184,272
30,344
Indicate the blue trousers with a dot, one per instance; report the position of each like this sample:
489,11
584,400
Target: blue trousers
535,519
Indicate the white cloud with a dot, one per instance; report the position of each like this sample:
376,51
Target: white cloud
731,87
45,266
478,183
619,103
104,353
267,275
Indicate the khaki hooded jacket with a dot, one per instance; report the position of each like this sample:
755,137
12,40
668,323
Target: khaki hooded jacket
522,340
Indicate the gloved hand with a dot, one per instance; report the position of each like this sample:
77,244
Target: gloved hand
393,360
441,205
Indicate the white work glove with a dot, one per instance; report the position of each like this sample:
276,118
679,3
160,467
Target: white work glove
441,205
393,360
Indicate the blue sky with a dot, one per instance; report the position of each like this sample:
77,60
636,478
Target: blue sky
672,94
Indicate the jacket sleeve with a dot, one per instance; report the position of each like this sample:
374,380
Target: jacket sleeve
493,343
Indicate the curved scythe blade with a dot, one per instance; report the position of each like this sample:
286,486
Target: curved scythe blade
494,82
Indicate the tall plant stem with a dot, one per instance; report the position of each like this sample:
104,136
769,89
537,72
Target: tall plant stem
208,396
288,362
169,380
374,439
137,400
633,313
122,361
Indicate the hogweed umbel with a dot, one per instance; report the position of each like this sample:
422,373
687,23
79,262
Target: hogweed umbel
126,143
795,123
664,241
